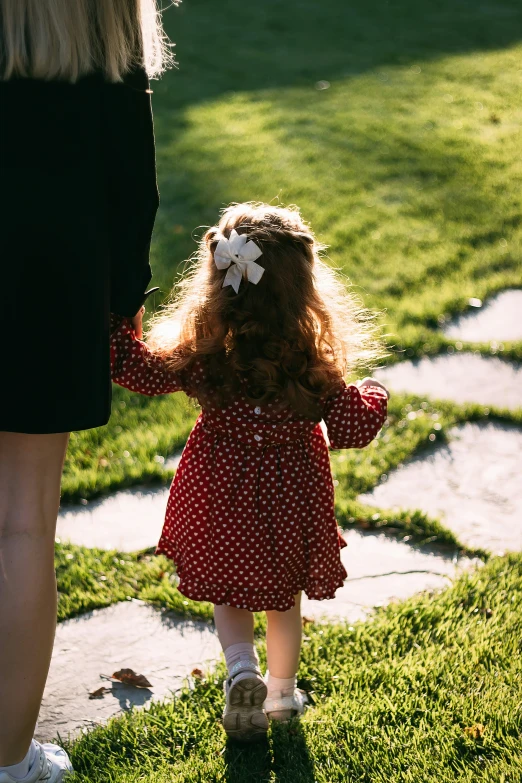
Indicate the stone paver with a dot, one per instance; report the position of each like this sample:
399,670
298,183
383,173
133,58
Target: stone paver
133,635
166,648
380,570
128,520
473,484
462,377
497,320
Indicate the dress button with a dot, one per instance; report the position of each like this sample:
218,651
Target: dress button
257,410
258,437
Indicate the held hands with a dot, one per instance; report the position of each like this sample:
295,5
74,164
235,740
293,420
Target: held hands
372,382
137,323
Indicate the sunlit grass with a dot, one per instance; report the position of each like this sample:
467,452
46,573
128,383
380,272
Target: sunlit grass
394,698
401,171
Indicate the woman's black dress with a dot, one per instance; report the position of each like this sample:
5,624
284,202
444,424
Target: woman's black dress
78,199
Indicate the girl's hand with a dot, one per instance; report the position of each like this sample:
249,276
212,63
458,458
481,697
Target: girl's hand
372,382
137,323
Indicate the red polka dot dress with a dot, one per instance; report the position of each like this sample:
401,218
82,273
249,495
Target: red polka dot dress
250,518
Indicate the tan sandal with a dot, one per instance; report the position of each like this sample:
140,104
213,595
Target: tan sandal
284,708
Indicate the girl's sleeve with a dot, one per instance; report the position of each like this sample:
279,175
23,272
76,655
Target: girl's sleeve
136,367
354,416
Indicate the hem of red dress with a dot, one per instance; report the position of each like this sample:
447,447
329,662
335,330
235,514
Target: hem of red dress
244,599
255,600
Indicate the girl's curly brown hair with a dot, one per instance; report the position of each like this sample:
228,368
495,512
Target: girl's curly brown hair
292,337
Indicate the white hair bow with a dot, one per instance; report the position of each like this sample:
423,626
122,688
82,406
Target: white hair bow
238,256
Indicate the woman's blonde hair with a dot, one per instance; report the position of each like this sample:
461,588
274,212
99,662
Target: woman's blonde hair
67,39
292,337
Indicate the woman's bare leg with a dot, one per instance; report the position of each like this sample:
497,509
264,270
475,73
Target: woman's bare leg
30,474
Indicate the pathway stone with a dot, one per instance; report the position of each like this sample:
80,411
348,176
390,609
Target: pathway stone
462,377
133,635
498,320
166,648
473,484
127,521
382,569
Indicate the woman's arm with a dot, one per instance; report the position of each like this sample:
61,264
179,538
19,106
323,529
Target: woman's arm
354,416
132,189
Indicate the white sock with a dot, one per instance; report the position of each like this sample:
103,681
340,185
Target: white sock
21,770
243,651
280,686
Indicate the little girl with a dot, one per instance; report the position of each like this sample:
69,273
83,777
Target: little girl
262,333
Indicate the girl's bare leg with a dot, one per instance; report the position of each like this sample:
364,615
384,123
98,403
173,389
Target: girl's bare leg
283,641
30,473
234,626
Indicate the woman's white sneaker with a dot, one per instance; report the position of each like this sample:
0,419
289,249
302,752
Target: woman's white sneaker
52,765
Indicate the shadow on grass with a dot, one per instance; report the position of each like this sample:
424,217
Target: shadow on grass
285,759
292,761
281,43
249,762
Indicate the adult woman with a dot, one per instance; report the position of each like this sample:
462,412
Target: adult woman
78,201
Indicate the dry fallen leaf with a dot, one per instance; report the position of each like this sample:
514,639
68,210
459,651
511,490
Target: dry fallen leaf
197,673
98,694
129,677
476,731
307,621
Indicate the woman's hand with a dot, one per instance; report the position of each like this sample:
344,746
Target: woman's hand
137,323
372,382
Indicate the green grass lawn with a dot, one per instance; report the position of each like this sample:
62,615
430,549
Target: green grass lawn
408,166
396,127
396,701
